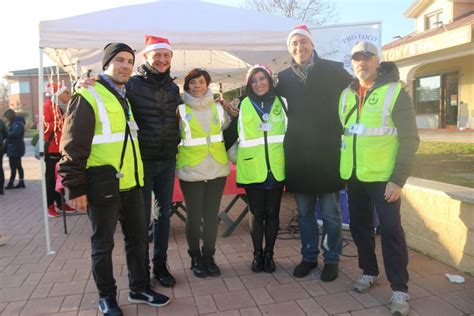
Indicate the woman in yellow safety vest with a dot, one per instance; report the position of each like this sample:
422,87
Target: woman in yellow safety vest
202,168
261,161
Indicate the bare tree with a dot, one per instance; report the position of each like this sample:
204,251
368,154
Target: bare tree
3,96
314,11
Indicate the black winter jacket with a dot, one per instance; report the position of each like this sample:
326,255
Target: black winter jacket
3,135
313,138
154,99
15,146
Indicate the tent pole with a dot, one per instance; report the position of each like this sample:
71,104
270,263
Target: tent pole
41,149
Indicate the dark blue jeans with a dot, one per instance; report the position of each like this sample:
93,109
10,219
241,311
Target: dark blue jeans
309,231
159,178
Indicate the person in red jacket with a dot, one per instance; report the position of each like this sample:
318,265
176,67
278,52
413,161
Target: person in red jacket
54,109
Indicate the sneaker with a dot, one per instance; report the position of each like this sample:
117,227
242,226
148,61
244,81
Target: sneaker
160,270
149,297
330,272
109,307
52,211
66,208
364,283
398,303
304,268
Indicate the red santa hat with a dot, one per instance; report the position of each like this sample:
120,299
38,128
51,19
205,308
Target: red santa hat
154,42
302,30
53,89
260,66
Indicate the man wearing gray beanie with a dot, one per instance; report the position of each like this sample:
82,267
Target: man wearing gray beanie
103,172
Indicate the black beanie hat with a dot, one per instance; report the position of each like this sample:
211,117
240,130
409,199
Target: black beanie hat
113,49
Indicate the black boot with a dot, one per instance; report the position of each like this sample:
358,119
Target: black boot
211,268
258,261
160,270
269,263
21,184
9,185
197,264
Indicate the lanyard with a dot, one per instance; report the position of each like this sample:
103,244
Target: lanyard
265,115
121,92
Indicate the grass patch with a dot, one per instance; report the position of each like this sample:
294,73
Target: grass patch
445,162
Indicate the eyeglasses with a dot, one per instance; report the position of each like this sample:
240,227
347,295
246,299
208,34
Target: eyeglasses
257,80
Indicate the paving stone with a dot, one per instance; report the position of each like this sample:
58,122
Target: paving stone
282,309
43,306
261,296
338,303
233,300
433,306
208,286
205,304
287,292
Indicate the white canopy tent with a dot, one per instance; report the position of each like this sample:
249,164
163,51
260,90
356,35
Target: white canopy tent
202,35
224,40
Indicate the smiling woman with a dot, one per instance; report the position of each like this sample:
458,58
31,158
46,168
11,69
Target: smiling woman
202,168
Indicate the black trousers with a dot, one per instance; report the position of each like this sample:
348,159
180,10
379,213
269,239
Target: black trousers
50,175
128,209
363,196
265,208
203,199
15,164
2,174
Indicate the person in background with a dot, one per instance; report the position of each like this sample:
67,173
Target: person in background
261,161
3,138
202,168
103,172
15,148
380,139
54,109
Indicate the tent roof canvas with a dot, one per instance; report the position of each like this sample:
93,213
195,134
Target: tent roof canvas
202,34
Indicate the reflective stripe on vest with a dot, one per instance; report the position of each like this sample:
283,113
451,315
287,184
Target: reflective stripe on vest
255,157
272,139
384,129
377,143
196,144
189,140
107,136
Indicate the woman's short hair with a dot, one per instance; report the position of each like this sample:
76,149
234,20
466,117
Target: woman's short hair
196,73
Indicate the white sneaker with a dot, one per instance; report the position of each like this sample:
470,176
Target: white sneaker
398,303
364,283
3,240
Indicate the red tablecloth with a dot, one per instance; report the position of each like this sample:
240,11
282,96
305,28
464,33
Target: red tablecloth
230,186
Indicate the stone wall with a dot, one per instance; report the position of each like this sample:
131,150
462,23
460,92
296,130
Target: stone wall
438,219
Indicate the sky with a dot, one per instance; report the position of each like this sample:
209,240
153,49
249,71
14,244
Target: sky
20,18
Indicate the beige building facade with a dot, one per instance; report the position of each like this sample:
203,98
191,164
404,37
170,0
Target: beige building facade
437,62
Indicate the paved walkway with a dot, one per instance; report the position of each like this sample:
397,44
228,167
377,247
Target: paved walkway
33,283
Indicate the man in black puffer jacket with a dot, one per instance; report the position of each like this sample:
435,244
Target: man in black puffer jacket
154,98
312,86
